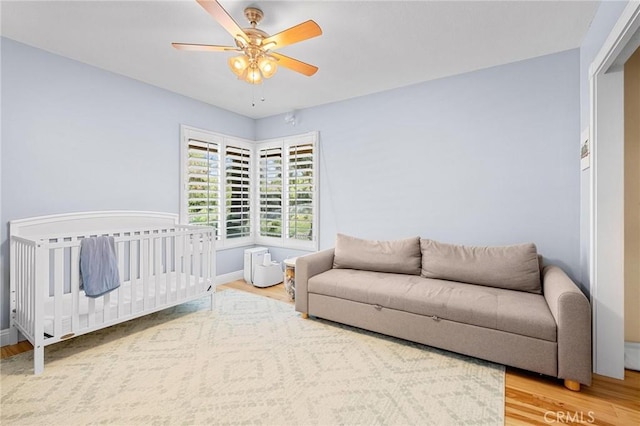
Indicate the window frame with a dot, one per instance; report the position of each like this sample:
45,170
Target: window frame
223,242
242,145
284,241
191,133
260,239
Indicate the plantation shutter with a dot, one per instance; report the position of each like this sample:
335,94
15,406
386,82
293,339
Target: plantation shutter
300,192
237,191
251,193
203,184
270,189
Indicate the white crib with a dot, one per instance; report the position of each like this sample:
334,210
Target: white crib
161,264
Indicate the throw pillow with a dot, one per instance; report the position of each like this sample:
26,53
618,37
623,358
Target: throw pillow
399,256
511,267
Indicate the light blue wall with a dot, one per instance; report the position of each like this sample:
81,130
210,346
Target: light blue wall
77,138
484,158
602,24
489,157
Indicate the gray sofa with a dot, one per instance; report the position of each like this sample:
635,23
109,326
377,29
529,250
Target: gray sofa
494,303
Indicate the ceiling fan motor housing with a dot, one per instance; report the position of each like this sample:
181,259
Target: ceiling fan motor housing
255,37
253,15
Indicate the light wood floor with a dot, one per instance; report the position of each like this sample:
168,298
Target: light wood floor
529,398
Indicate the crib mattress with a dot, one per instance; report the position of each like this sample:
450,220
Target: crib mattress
108,307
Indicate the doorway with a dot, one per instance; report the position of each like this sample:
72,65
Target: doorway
632,211
607,233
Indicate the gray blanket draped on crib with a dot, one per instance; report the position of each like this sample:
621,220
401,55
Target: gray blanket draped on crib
98,266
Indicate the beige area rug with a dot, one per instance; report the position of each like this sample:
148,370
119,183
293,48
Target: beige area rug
251,360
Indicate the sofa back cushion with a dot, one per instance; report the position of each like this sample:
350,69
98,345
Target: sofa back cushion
399,256
511,267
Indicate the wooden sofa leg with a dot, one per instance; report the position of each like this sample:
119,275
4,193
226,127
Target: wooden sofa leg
305,315
572,385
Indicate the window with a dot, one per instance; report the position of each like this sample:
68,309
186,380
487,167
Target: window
270,190
287,189
238,186
203,183
238,191
216,189
300,193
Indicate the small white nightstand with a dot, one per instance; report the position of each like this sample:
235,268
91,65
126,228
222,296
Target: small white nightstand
290,277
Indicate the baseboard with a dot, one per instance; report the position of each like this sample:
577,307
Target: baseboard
231,276
632,355
7,338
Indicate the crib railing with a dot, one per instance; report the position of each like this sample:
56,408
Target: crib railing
23,271
158,268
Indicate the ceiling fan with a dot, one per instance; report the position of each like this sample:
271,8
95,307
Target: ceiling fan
257,60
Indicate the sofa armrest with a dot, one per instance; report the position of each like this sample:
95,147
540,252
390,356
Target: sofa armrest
306,267
572,312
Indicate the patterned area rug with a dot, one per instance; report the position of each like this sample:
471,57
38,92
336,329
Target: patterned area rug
249,360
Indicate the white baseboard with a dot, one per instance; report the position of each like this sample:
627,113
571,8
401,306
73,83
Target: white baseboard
7,338
231,276
632,355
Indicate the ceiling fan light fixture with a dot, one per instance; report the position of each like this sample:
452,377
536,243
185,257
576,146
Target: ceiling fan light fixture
238,65
267,66
253,76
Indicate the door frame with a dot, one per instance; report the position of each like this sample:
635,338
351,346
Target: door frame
606,99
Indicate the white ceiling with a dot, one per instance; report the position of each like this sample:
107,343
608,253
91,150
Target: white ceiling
366,46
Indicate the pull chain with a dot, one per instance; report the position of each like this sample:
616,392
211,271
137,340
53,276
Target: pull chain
253,95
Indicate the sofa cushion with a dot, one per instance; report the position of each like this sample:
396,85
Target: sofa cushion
510,267
399,256
505,310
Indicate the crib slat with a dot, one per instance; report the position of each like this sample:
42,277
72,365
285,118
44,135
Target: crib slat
157,263
172,267
24,288
211,259
134,267
205,259
196,263
41,291
121,260
188,263
58,290
17,255
31,286
91,312
146,246
179,244
214,264
166,256
106,307
75,288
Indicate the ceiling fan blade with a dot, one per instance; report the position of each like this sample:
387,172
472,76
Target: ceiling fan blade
219,14
300,32
203,47
294,64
